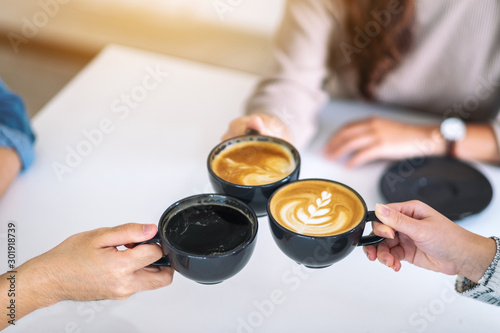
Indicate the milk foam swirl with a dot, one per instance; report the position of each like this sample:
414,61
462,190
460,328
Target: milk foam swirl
316,208
254,163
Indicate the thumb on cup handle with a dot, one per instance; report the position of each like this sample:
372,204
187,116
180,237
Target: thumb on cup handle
396,220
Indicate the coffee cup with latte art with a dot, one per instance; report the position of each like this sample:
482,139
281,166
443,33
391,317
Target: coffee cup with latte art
252,167
317,222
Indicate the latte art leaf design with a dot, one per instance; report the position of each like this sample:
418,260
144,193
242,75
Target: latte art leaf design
317,208
316,212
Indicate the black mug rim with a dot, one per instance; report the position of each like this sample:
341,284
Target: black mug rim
251,213
288,145
352,230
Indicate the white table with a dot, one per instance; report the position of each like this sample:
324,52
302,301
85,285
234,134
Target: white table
152,152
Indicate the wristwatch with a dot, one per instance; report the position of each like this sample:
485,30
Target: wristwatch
452,130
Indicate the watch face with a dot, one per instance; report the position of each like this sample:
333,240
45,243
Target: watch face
453,129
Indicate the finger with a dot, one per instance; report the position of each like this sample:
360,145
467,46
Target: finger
231,133
370,251
142,256
152,268
236,127
226,136
149,280
398,255
383,230
353,146
141,280
345,134
125,234
354,128
132,245
255,123
367,155
384,254
397,221
414,208
397,266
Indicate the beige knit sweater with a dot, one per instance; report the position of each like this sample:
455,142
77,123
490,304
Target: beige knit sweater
453,68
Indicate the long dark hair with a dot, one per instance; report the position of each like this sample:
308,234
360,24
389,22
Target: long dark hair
384,46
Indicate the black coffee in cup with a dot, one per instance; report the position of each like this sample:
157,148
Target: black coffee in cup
207,238
208,230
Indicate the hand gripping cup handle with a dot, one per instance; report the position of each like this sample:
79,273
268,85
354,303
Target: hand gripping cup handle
194,256
163,261
370,239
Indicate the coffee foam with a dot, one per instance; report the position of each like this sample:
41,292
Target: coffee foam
254,163
317,208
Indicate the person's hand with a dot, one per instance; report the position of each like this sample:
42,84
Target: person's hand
377,138
420,235
262,123
88,266
10,165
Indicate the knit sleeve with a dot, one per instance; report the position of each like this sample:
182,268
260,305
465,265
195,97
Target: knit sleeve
488,287
15,129
292,89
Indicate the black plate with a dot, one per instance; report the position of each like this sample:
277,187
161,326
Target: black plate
452,187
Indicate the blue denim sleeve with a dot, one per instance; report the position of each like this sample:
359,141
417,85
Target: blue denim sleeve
15,128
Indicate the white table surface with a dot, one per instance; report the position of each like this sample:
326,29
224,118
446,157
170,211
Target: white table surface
155,155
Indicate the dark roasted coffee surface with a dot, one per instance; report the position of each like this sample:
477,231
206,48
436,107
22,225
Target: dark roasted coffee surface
208,229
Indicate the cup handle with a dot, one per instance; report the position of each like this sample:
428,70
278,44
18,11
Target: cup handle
163,261
371,239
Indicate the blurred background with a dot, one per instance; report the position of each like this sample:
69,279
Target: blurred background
44,43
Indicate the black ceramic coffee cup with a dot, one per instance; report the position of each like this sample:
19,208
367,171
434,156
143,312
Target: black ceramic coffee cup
256,196
316,249
207,238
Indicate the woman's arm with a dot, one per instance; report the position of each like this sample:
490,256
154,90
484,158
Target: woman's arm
376,138
480,144
418,234
291,90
